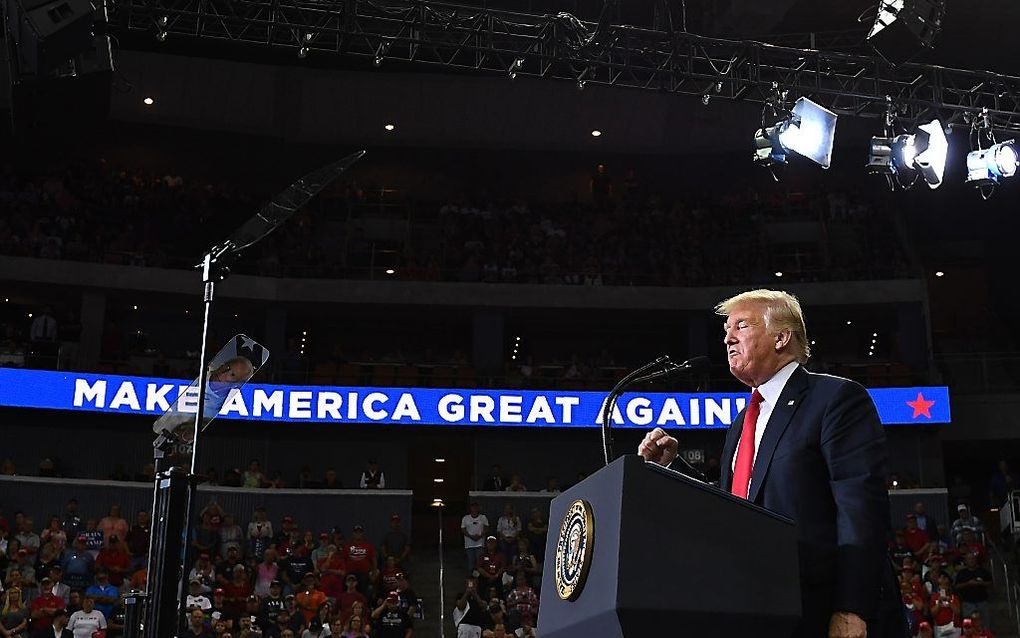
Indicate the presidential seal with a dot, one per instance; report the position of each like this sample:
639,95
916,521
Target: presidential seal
573,549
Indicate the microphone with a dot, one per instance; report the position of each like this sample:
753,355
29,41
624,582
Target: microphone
693,366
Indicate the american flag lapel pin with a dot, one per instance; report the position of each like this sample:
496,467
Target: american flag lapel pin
790,403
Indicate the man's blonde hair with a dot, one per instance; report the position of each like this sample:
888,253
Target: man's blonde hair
782,312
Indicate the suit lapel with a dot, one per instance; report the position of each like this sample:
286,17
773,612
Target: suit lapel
729,449
779,420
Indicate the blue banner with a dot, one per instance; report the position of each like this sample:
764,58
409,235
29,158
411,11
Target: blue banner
423,406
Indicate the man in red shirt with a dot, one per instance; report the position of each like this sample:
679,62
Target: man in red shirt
944,606
491,566
45,607
115,559
361,558
916,538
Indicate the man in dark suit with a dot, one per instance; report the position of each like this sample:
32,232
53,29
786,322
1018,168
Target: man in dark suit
56,629
811,447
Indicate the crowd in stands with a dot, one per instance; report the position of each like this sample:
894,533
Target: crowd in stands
504,561
92,211
248,579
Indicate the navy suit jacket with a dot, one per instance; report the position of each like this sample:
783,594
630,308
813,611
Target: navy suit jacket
822,462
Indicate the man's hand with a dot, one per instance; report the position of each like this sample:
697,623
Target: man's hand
658,447
847,625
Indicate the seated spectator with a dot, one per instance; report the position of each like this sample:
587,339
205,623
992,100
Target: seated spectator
524,562
221,610
253,476
900,550
354,628
204,572
27,538
236,591
57,627
59,589
408,597
914,606
88,620
971,544
373,477
516,484
526,630
552,486
196,625
965,521
495,481
332,480
358,610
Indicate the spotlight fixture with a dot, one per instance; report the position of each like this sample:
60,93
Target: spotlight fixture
985,167
808,129
302,53
903,28
904,158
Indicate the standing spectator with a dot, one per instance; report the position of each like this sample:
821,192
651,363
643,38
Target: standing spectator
295,566
491,566
196,625
57,628
267,572
46,605
87,620
26,573
137,541
332,571
522,602
474,526
972,584
916,538
965,521
345,601
273,604
72,523
260,532
196,599
552,486
925,522
309,597
205,537
60,588
373,477
524,562
495,481
253,476
361,560
14,618
78,565
538,529
113,524
230,535
508,530
55,535
236,591
390,621
470,614
1003,482
944,608
115,561
971,544
205,572
27,537
103,594
408,597
395,543
321,550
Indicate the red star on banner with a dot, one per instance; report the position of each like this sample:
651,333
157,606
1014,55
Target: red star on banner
921,406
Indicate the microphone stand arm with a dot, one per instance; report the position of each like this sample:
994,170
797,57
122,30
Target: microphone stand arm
614,395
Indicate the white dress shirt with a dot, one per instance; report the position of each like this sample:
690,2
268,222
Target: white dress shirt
770,392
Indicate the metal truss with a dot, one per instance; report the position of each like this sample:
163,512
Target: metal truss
562,47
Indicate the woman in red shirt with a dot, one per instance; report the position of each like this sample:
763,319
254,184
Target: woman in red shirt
236,592
945,605
332,569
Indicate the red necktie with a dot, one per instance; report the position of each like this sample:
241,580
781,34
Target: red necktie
745,450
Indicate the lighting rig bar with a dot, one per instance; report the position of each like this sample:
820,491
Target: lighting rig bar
562,47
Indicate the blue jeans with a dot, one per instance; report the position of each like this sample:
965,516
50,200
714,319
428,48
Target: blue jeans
473,553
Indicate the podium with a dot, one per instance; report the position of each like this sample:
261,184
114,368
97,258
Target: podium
668,556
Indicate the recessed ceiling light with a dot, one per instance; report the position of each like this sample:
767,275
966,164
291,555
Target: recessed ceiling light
779,273
939,273
390,271
148,101
596,133
390,127
437,480
440,460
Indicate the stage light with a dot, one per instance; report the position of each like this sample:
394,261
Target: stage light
909,155
809,130
596,133
148,101
985,167
903,28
